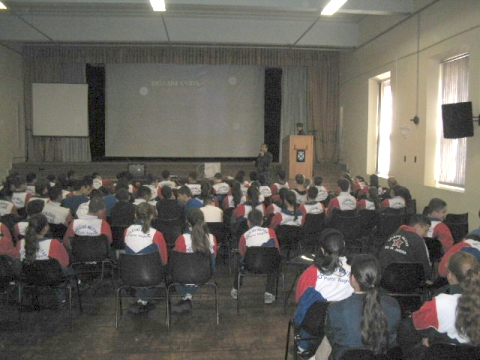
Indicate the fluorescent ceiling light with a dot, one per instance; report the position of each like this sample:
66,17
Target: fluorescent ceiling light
2,6
332,7
158,5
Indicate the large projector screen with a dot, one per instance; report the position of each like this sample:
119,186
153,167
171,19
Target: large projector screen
188,111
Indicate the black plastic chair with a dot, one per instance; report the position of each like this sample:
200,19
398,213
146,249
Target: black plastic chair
289,239
90,251
388,223
261,260
194,269
139,271
312,228
170,228
118,236
47,273
222,234
435,252
405,281
394,353
57,230
351,228
300,263
313,324
8,279
451,351
458,225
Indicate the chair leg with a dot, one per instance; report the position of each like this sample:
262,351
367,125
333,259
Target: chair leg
168,306
238,292
216,304
297,275
288,339
70,305
118,306
78,295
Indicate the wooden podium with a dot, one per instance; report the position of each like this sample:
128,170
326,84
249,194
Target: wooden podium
297,155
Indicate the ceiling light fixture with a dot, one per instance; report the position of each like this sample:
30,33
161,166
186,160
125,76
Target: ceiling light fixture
2,6
332,7
158,5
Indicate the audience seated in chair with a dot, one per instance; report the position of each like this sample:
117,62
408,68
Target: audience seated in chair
300,189
82,189
211,212
253,202
311,205
470,244
344,201
33,207
184,195
291,215
54,211
396,201
436,211
123,212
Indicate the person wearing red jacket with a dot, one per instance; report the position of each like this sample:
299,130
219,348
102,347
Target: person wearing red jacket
436,212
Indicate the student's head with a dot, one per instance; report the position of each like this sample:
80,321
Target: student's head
299,179
19,182
218,178
281,175
391,181
52,178
240,177
84,186
365,272
437,208
122,195
318,180
55,193
72,175
34,207
312,193
359,179
253,175
166,192
122,184
253,194
42,186
97,193
96,206
291,198
255,218
343,184
144,192
421,223
96,175
374,180
37,228
332,247
184,194
209,201
31,178
459,265
192,176
144,214
299,126
166,175
399,191
200,234
6,194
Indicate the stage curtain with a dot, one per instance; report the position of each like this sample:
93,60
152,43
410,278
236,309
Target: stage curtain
319,70
45,148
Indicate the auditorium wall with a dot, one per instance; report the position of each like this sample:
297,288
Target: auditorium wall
440,30
12,134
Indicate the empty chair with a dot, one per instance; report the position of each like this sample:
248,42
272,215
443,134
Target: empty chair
388,223
139,271
170,228
192,269
47,273
312,228
435,251
260,260
8,274
289,239
451,351
458,225
118,236
351,228
57,230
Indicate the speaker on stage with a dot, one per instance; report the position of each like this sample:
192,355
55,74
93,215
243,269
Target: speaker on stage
137,170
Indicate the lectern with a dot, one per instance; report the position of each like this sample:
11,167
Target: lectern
297,155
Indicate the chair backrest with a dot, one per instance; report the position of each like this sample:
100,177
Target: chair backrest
314,224
314,320
219,230
389,223
451,351
457,218
57,230
141,270
344,213
403,277
434,246
289,236
6,271
89,248
118,236
394,353
262,259
170,228
190,268
42,273
369,220
349,226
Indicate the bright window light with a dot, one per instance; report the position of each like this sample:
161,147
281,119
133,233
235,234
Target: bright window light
158,5
2,6
332,7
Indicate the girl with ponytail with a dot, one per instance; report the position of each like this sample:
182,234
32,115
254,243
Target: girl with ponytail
290,215
454,316
326,280
196,239
363,320
253,196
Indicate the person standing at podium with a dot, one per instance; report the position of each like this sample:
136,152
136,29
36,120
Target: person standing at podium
264,163
300,129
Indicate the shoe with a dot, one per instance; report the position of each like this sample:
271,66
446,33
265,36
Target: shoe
304,354
183,307
234,293
269,298
140,308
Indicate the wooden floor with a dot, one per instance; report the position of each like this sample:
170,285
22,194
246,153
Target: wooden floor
258,332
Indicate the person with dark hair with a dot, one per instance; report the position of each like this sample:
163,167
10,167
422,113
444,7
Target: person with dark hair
371,201
20,196
82,189
396,200
455,316
6,204
36,246
90,224
211,212
312,206
206,191
363,320
184,195
360,187
374,182
123,212
82,209
33,207
344,201
193,184
469,244
31,179
41,190
141,238
52,179
151,182
264,189
144,194
54,211
196,239
279,203
407,245
168,207
166,180
322,190
436,212
235,197
300,130
264,162
253,202
220,187
290,215
256,235
280,184
326,280
300,189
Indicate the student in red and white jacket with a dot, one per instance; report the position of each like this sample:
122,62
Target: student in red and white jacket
397,199
253,202
312,206
344,201
470,244
90,224
436,211
6,242
32,208
290,215
360,187
282,183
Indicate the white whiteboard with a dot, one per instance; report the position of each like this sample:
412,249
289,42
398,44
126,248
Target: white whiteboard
60,110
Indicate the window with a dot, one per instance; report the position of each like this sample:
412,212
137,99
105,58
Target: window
384,126
452,153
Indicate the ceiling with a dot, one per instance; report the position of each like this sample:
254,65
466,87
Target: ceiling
262,23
